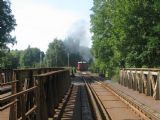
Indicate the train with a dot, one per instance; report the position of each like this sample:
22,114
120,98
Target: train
82,66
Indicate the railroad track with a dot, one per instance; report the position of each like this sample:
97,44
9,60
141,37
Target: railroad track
111,104
75,105
91,99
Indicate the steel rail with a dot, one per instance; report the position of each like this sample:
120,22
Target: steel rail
124,101
94,104
99,112
143,111
139,108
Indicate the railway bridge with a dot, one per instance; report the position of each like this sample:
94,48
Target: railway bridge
52,94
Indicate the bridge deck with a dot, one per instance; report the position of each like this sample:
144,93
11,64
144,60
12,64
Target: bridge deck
5,113
148,101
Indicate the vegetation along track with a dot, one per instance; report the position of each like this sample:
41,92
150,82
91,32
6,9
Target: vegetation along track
110,104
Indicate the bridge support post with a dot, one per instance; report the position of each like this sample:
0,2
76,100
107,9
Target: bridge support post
149,84
130,80
141,82
54,92
21,108
50,96
158,87
13,108
41,100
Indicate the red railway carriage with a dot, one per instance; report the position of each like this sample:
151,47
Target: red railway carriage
82,66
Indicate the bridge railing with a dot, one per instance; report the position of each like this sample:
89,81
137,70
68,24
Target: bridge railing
144,80
52,87
32,92
5,75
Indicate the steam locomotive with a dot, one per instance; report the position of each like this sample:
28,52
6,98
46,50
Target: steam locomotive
82,66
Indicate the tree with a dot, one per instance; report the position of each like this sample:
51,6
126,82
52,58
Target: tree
7,24
103,36
11,60
125,31
56,55
142,34
31,57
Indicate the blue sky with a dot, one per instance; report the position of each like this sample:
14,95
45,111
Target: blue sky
40,21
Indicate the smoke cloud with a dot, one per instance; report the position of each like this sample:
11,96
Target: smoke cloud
80,32
79,39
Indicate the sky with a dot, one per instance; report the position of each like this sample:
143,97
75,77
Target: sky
40,21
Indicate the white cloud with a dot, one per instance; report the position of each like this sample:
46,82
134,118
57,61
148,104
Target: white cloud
38,24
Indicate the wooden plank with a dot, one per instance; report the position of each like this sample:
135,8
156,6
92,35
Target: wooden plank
4,115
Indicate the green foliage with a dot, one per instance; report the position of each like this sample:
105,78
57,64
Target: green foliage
10,60
56,55
31,57
7,24
60,52
142,36
125,31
